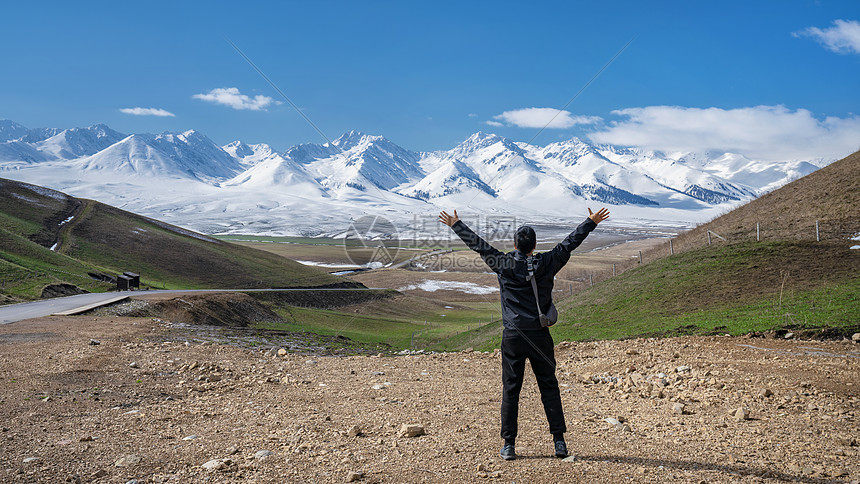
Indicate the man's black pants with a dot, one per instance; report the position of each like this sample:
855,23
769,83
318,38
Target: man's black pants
537,346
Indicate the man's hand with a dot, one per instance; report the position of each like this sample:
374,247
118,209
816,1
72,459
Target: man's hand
598,217
449,220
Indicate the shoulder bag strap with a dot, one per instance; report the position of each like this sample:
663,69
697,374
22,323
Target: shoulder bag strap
534,284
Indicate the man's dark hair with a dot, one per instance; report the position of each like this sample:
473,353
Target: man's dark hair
525,239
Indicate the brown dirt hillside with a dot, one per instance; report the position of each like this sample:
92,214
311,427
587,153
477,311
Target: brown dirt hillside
830,195
153,403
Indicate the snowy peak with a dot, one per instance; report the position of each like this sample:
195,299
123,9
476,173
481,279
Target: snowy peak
353,138
10,130
238,149
77,142
450,178
359,161
183,155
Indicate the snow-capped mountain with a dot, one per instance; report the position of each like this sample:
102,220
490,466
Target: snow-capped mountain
10,130
187,179
42,144
183,155
73,143
358,161
267,169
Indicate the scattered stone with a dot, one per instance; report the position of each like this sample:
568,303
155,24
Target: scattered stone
215,465
94,342
632,351
133,364
354,431
262,454
612,421
99,474
683,369
232,450
30,459
766,392
311,362
411,430
130,460
789,335
741,414
353,476
87,438
678,408
190,437
378,387
377,373
570,458
855,337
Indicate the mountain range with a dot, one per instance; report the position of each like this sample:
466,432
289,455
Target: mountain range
318,188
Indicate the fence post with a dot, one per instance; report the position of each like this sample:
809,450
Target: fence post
591,279
671,248
570,287
757,232
640,256
817,238
709,237
613,270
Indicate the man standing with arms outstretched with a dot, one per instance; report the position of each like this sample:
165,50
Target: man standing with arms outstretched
526,331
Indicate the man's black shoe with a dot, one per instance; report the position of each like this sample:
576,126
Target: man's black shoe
560,449
508,452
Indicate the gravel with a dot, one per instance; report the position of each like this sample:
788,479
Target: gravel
102,412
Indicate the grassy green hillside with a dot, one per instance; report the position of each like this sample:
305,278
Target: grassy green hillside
786,281
92,237
732,289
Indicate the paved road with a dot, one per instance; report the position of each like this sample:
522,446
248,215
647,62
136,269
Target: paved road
39,309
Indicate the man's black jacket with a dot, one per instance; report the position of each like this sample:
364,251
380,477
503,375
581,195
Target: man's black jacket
518,301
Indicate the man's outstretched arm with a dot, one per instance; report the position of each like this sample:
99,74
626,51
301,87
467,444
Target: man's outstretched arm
490,254
561,253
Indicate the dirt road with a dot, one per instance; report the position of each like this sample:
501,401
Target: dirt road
151,403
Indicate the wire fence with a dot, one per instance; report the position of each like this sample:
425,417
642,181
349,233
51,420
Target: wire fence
819,231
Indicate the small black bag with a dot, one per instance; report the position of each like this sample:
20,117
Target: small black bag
551,316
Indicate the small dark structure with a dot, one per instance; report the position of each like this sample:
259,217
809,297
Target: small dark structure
123,282
135,279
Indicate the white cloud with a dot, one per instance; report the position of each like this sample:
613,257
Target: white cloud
541,117
147,112
843,37
760,132
230,96
493,123
472,115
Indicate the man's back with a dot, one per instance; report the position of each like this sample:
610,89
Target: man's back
519,310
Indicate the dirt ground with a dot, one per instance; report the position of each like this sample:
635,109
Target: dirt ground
152,403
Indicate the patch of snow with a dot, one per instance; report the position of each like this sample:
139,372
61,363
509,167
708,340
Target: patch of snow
46,192
54,247
26,199
431,285
856,237
855,247
331,266
64,222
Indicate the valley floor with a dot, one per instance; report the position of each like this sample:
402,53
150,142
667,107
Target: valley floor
153,402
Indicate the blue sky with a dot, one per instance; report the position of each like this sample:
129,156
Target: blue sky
742,76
